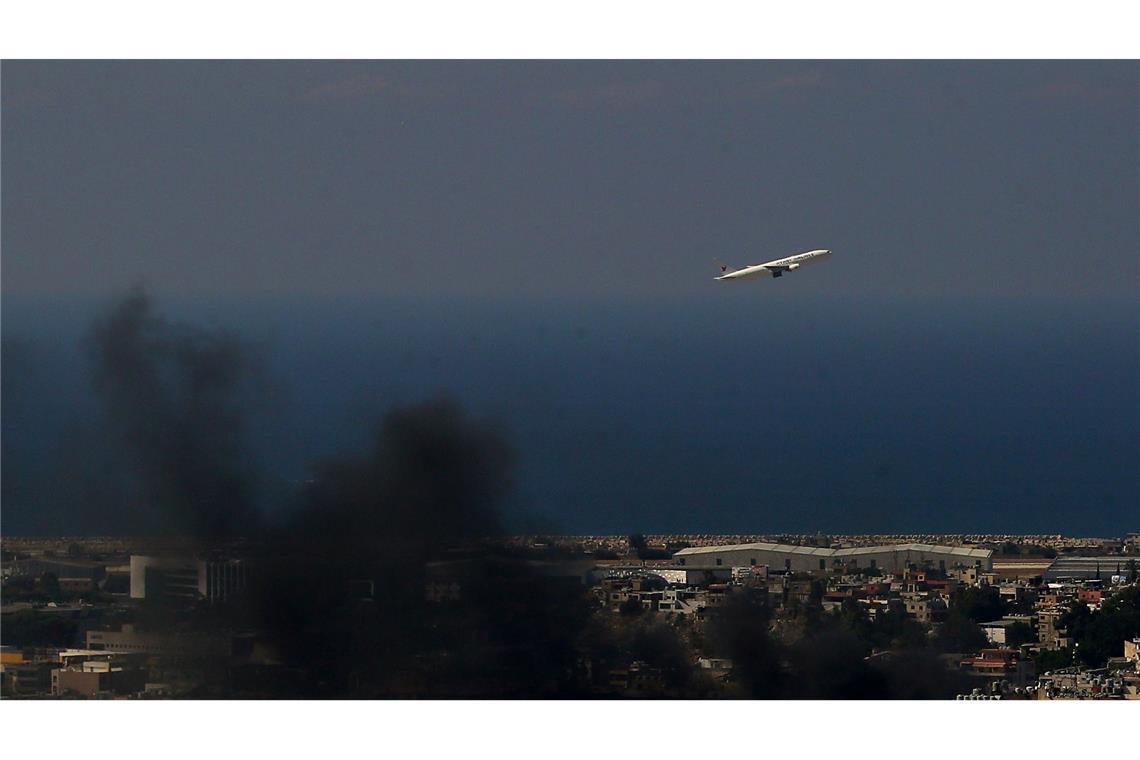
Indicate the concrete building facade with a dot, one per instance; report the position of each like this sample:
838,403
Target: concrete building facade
129,640
186,579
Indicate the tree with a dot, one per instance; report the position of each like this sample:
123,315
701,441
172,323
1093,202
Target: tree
1076,620
979,603
658,645
1054,659
960,634
49,584
1101,634
30,628
968,607
631,606
637,541
1020,633
891,629
738,630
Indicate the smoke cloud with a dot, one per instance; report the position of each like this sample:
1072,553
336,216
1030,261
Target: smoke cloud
432,477
340,589
175,398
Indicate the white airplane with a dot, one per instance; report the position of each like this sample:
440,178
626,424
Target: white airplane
774,268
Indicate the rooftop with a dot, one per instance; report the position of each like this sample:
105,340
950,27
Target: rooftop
961,551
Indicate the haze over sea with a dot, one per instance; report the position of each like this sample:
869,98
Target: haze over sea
745,409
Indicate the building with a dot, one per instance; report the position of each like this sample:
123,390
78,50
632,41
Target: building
1132,651
750,575
681,601
89,673
810,559
694,576
926,610
1021,567
1050,635
186,579
72,573
783,590
1090,596
1098,683
1001,665
1002,631
129,640
24,672
1019,595
966,575
1083,568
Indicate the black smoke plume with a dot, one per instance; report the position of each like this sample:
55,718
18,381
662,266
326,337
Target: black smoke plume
341,592
175,397
432,477
338,573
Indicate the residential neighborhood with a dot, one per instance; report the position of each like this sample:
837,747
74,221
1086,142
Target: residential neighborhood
637,616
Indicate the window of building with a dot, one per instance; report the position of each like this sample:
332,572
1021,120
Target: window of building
788,564
753,562
874,564
719,561
823,564
681,561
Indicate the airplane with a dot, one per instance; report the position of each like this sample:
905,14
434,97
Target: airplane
774,268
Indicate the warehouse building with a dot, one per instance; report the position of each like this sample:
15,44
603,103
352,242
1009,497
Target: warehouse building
807,559
1090,568
75,571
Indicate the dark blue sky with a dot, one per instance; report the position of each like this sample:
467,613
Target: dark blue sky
537,240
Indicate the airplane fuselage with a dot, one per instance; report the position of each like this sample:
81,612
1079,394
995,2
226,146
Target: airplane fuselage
777,267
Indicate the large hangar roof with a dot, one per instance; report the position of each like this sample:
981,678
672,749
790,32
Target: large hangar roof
961,551
758,546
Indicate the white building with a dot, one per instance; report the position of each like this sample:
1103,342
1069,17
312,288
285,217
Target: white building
806,559
693,576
